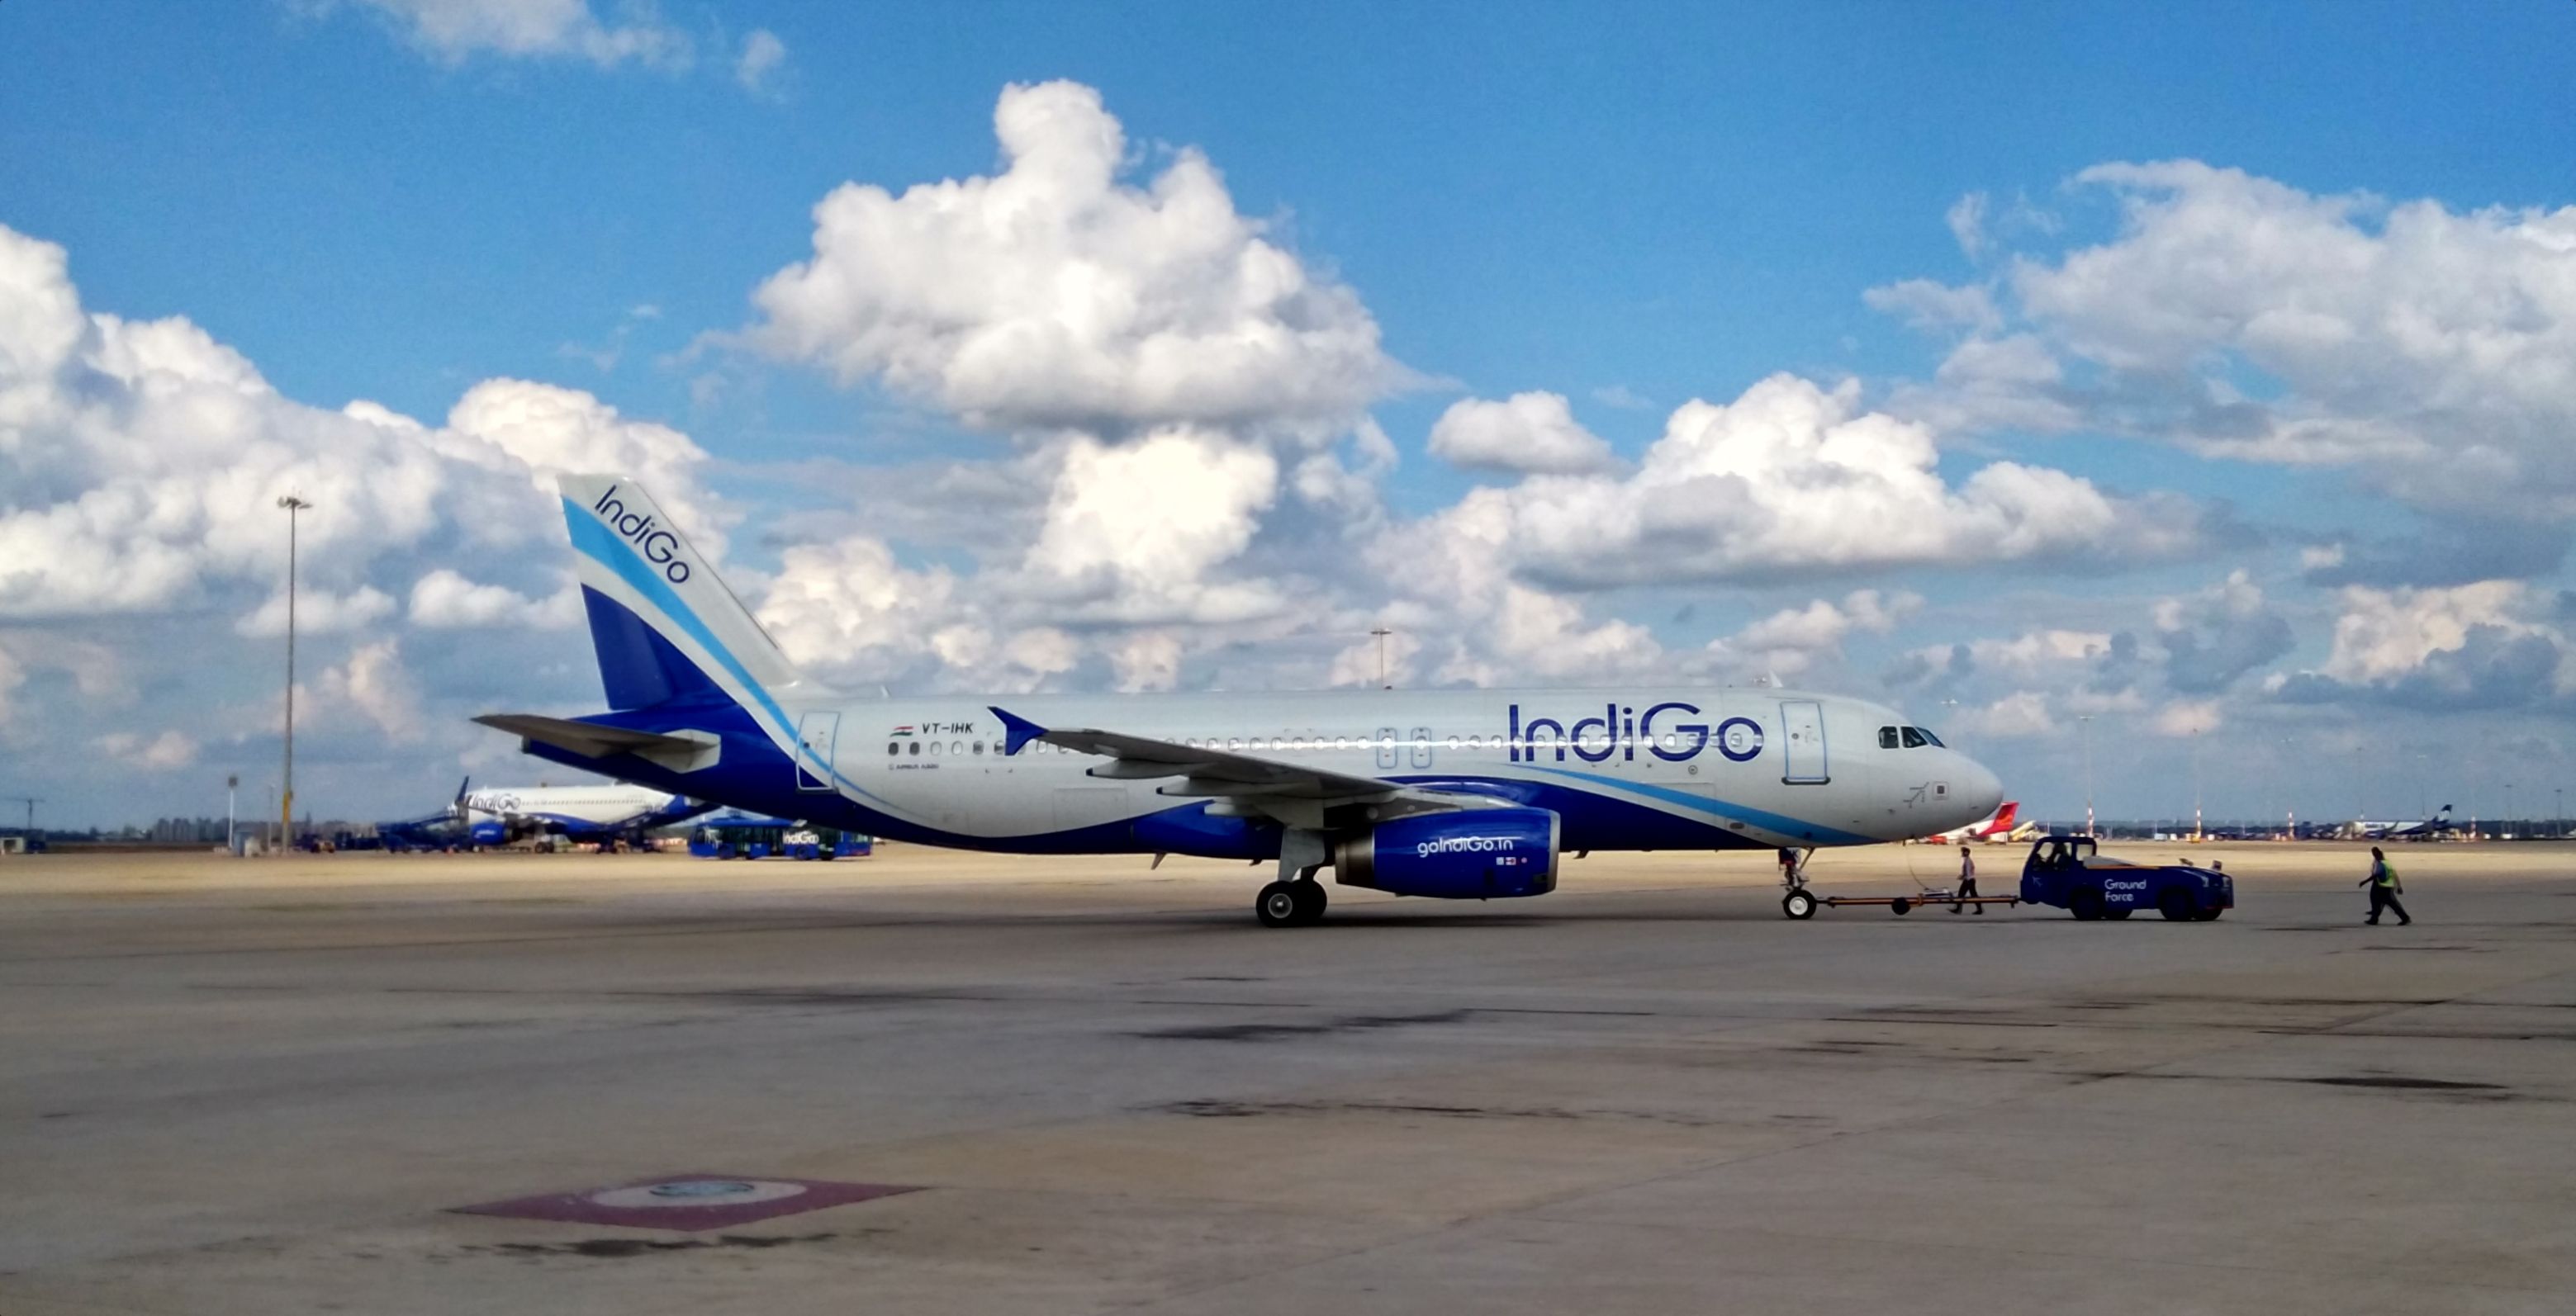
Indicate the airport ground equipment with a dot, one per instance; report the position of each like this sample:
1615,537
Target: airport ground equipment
745,836
1902,905
1801,903
2070,873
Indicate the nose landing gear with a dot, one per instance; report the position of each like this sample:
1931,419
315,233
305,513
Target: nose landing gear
1799,902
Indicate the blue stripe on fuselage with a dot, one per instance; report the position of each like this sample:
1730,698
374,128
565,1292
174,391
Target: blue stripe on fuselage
1779,823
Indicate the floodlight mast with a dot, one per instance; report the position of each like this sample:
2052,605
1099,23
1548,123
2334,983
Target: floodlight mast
286,796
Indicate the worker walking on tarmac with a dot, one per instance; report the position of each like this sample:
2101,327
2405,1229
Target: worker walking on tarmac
2384,889
1967,879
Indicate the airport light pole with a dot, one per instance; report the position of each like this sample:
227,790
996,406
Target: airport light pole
2086,719
31,801
2507,820
2196,833
232,813
1381,633
286,796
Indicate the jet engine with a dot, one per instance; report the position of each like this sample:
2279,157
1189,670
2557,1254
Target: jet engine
1472,854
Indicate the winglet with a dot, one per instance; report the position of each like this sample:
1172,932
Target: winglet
1017,731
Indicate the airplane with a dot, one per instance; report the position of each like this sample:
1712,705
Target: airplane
1457,794
443,830
1996,827
604,812
2424,829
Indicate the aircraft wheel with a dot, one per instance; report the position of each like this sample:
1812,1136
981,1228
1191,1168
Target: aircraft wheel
2085,903
2177,905
1310,900
1899,905
1798,904
1279,905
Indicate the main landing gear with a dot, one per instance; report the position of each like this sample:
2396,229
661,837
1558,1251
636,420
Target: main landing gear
1296,899
1290,904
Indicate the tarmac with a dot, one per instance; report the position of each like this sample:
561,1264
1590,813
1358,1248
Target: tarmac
269,1086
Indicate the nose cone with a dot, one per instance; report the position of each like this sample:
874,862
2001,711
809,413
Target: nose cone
1979,790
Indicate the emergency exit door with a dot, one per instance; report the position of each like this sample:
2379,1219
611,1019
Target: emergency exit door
1802,753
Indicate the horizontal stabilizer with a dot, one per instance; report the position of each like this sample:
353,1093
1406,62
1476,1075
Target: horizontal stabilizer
685,751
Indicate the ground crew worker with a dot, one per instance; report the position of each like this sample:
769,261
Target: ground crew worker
2384,887
1967,879
1788,867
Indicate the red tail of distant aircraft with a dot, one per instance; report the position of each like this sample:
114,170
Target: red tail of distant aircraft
1995,826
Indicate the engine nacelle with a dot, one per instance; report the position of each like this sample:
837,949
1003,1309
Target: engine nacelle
1474,854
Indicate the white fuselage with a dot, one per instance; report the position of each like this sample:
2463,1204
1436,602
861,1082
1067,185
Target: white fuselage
603,806
1628,769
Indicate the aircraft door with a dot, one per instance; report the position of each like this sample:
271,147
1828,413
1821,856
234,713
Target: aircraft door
816,734
1802,731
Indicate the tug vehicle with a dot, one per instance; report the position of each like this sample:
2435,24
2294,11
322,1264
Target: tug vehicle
2070,873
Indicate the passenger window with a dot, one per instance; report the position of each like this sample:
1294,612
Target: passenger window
979,747
1913,738
893,748
1887,737
915,751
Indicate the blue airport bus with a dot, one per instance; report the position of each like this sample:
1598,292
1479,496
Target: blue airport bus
746,837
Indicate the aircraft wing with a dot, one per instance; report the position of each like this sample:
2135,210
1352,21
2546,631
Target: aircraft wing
1214,773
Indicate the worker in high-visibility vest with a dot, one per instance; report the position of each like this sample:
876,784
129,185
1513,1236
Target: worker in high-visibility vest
2384,888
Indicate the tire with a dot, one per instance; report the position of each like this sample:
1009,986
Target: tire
1899,906
2210,915
2085,903
1798,904
2115,913
1310,900
2177,905
1278,905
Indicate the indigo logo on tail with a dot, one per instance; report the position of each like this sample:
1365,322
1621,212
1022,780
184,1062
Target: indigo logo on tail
659,546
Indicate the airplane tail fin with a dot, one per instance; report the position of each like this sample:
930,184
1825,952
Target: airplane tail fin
2003,824
665,627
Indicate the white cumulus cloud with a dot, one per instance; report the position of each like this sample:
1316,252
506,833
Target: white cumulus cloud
1528,432
2432,348
446,600
1055,294
161,753
1792,476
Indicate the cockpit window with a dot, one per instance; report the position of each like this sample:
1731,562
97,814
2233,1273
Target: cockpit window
1887,737
1930,739
1914,737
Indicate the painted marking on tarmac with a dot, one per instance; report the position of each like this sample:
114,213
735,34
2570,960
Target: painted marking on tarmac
688,1201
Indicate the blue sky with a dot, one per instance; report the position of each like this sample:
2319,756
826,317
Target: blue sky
1629,207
